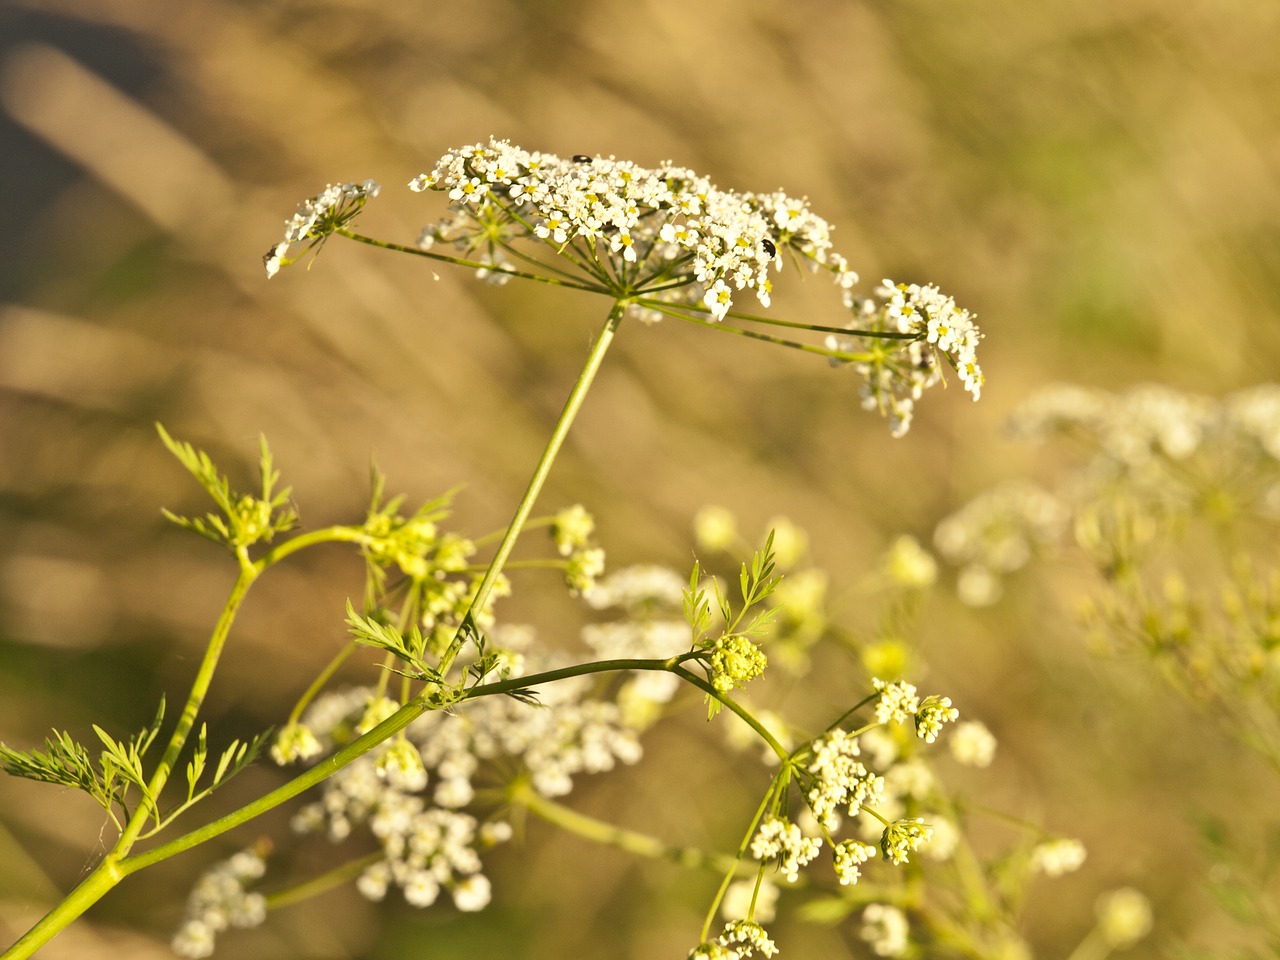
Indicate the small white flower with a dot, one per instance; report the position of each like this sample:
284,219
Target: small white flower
718,299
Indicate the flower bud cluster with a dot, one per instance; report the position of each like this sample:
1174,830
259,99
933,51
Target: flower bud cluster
903,837
571,530
735,660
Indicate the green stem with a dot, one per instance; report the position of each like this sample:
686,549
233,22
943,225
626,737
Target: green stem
742,852
112,869
88,892
335,534
753,335
475,264
356,748
115,867
323,678
195,699
783,753
339,875
320,772
523,795
540,473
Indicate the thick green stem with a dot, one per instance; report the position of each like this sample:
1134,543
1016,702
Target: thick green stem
540,473
357,748
320,772
88,892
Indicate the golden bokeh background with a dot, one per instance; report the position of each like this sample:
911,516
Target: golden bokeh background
1096,179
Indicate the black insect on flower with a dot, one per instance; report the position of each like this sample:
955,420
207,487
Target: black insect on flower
769,248
581,158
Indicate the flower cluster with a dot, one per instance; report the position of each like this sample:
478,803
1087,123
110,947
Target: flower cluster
413,792
735,660
571,530
900,341
667,231
898,701
739,940
902,837
849,855
932,713
665,240
220,899
972,744
317,217
1124,917
776,839
840,781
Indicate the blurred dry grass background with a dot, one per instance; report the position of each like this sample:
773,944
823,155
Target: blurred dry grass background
1096,179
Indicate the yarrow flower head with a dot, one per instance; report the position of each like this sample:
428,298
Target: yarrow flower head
900,342
333,207
664,241
667,230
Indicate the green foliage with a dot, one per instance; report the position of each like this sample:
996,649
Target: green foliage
733,657
409,648
234,758
67,762
243,519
